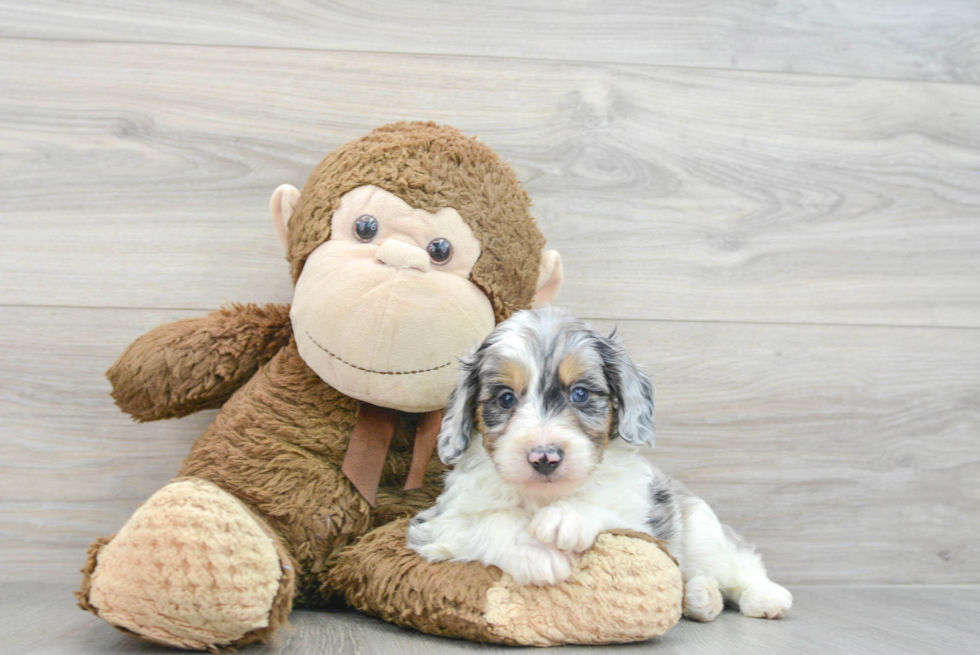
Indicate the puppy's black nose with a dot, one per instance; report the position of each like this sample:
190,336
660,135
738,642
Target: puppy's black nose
545,459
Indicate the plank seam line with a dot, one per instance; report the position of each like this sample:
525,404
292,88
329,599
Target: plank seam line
616,319
781,323
578,62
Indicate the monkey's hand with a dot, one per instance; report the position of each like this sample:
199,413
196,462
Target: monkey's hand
181,368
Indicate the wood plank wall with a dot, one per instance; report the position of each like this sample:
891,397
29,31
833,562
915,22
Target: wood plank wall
778,204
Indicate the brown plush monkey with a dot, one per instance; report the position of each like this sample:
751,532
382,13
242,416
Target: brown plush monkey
406,247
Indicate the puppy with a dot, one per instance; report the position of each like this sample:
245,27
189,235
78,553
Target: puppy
544,429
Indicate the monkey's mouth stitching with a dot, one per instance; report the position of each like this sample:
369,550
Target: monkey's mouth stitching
367,370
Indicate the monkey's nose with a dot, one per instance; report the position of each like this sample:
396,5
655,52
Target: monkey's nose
545,459
402,255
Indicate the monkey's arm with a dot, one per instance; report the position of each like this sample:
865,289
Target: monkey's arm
181,368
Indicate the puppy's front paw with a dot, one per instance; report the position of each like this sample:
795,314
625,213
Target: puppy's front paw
539,565
563,528
765,600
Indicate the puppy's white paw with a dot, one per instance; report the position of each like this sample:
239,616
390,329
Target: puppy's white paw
702,599
563,528
765,600
538,565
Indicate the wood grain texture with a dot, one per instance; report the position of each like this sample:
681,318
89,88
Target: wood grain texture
36,619
138,176
848,454
906,39
72,466
790,245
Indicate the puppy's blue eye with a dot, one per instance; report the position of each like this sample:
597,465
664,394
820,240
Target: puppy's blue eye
507,400
579,395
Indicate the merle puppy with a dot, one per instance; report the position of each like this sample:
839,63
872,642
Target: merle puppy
545,429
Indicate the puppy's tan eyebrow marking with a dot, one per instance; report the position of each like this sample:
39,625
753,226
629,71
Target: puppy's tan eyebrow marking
513,375
572,369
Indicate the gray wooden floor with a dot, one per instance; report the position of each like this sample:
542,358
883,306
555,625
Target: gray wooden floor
891,620
777,203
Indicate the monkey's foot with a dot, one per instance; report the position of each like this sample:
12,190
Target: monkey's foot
625,588
192,568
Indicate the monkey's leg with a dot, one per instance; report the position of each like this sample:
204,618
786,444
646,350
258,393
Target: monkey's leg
271,502
192,568
196,567
183,367
625,588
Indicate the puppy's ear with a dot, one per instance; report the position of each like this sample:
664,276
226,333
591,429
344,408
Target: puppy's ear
632,393
457,421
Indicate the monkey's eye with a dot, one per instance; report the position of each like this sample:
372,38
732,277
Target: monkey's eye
440,250
507,400
365,227
579,395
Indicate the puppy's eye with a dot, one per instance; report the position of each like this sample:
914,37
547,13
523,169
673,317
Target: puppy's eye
365,227
507,400
579,395
440,250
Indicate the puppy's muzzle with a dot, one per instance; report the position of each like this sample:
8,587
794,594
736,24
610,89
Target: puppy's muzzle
545,459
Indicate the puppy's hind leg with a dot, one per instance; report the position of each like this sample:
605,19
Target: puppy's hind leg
716,559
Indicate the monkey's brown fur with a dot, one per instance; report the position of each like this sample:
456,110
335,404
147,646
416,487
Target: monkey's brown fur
182,368
431,167
279,440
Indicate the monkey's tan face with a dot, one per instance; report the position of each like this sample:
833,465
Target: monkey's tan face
382,310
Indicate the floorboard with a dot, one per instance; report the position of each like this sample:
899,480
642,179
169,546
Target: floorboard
673,194
904,39
893,620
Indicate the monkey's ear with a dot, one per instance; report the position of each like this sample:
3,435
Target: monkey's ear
549,278
281,206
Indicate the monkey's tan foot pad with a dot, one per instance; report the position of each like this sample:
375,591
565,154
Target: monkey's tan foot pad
192,568
625,588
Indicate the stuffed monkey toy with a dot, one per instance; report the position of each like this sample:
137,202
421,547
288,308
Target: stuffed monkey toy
406,247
